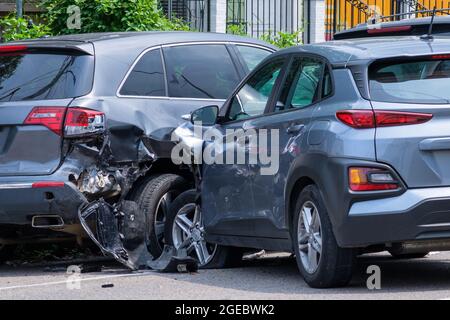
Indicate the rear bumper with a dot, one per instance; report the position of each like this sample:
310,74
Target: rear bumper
417,214
20,201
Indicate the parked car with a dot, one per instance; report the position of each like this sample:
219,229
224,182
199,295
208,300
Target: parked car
85,117
364,148
405,27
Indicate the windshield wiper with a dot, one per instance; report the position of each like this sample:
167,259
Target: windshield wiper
10,94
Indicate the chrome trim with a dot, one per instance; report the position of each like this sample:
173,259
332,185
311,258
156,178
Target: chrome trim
10,186
60,219
165,71
435,225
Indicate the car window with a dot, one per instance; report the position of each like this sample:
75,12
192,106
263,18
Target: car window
147,77
252,56
42,75
200,71
302,84
424,81
252,99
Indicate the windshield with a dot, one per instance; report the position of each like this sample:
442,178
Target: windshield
425,81
44,76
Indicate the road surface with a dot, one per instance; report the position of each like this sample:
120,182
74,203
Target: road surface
272,277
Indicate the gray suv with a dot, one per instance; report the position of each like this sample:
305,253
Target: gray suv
86,117
363,147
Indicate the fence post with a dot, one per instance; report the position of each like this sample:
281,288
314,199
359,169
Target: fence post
218,16
317,20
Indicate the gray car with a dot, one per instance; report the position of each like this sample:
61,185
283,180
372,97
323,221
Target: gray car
363,132
86,117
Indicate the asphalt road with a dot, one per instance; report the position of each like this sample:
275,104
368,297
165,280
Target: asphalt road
271,277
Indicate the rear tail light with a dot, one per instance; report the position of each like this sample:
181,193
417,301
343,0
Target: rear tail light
389,30
81,122
363,119
48,184
74,122
9,49
371,179
50,117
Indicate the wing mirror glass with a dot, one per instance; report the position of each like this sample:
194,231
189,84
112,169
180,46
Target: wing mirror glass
207,116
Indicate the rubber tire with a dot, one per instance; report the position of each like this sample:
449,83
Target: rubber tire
406,256
336,264
225,257
148,195
7,252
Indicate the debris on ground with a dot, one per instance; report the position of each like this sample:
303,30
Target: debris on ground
108,285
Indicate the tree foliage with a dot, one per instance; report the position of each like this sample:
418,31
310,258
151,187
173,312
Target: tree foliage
283,39
109,16
21,28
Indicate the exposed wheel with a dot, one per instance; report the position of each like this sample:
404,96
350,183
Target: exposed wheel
322,263
185,230
406,256
155,197
6,252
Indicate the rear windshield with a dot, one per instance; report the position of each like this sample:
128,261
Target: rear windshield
44,76
425,81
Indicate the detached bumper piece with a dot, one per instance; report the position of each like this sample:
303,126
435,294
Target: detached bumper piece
120,231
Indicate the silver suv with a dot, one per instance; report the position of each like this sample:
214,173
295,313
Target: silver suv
363,151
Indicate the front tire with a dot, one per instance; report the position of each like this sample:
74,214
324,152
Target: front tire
185,230
322,263
155,197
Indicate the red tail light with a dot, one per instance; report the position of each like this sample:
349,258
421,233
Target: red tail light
363,119
50,117
76,121
83,122
360,119
371,179
47,184
389,30
8,49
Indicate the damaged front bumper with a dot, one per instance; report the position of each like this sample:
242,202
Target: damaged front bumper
120,231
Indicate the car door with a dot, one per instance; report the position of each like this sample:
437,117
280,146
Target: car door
287,126
227,197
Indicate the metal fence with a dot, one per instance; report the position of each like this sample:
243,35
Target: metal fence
193,12
345,14
268,17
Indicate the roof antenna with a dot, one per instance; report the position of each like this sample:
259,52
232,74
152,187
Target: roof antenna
429,35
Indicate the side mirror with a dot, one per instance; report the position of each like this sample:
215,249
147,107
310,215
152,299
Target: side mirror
206,115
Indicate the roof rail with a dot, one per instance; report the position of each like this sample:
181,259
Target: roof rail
425,13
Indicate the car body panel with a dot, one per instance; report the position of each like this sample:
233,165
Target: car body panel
414,155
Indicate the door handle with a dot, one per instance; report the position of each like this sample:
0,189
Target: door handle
295,128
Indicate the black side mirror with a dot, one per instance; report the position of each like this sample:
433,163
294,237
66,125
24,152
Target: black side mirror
207,116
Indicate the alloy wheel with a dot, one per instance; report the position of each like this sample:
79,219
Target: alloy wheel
189,233
162,210
310,237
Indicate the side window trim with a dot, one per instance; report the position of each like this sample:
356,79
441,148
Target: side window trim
161,47
130,70
325,64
